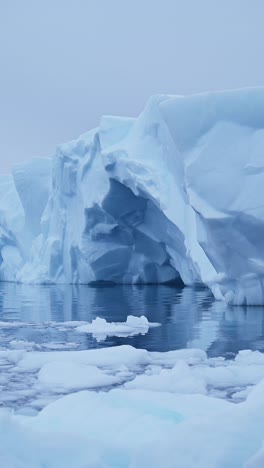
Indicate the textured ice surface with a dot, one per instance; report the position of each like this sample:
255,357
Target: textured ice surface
174,409
23,198
175,194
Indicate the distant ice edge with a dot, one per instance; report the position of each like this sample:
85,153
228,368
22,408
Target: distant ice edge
173,195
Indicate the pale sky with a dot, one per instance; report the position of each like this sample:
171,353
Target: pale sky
64,63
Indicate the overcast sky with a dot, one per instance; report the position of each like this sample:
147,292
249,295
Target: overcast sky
64,63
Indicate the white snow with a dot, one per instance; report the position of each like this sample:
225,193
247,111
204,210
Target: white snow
100,328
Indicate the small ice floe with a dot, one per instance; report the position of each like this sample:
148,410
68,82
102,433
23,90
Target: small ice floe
100,328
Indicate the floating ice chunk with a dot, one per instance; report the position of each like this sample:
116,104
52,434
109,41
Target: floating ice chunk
65,376
140,322
100,328
230,375
191,356
179,379
113,357
249,357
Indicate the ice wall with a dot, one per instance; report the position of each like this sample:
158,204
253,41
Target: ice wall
23,197
174,195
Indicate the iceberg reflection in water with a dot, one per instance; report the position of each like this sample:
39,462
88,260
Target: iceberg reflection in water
190,317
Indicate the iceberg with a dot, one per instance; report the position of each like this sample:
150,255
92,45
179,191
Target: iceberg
171,196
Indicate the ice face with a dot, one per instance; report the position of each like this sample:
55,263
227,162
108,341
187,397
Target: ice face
32,181
174,195
23,197
12,223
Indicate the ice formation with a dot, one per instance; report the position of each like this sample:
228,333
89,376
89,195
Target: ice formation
173,195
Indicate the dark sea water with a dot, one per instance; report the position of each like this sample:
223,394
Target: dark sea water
190,317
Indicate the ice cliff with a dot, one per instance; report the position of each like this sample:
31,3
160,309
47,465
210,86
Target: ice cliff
173,195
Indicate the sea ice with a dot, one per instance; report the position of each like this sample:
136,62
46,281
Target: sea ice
165,415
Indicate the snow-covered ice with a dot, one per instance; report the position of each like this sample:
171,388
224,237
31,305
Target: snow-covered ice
172,195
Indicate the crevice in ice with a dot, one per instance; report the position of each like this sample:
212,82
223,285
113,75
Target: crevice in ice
129,253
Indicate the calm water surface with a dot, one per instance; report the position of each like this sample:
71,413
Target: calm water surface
190,317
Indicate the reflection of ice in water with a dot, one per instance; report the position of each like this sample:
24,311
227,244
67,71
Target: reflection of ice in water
189,316
249,315
208,332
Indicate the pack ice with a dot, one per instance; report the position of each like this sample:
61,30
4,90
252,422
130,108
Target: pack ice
173,195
